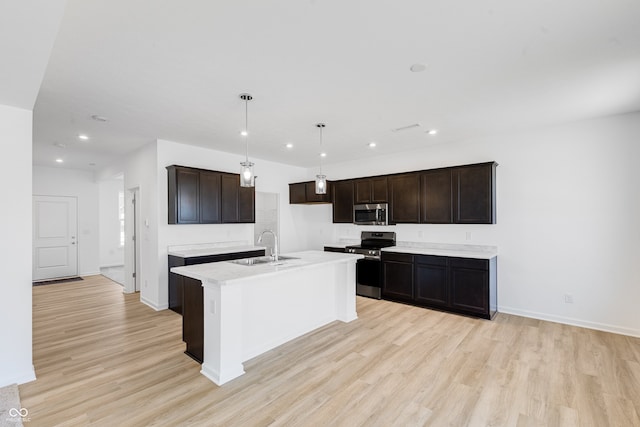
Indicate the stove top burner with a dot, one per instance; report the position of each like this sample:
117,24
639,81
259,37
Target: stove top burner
371,242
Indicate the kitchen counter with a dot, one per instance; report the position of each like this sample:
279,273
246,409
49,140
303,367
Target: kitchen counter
229,272
250,309
428,248
442,249
207,249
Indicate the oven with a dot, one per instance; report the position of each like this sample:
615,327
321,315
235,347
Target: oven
369,278
369,269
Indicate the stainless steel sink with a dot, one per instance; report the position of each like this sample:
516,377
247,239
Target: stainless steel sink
262,260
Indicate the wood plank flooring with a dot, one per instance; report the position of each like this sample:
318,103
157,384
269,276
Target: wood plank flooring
103,358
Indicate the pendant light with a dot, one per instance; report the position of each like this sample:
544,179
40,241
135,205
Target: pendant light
247,178
321,180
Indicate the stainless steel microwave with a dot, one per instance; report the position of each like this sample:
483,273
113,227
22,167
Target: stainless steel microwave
371,214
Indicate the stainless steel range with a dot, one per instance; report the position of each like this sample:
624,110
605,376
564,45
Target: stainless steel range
369,269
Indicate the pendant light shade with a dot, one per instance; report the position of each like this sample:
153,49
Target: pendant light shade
321,180
321,184
247,177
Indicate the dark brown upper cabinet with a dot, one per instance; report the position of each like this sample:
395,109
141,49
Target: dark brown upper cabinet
474,196
453,195
404,198
184,195
342,193
200,196
436,200
210,197
305,193
238,203
297,193
371,190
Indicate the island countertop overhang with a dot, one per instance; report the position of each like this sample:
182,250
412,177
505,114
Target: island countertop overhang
228,273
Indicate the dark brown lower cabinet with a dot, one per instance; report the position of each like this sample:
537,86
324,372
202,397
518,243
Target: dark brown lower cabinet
193,317
469,283
432,281
397,277
186,297
460,285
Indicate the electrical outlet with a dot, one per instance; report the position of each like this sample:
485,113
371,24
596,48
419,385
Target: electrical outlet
420,234
468,236
568,299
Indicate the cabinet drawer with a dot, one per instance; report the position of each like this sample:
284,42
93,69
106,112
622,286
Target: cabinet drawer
398,257
431,260
476,264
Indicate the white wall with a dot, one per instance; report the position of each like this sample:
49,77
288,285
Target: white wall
111,252
568,211
51,181
15,228
139,170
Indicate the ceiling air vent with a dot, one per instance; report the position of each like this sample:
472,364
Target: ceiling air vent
415,125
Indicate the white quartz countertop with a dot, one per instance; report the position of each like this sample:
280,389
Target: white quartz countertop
228,272
212,250
459,251
429,248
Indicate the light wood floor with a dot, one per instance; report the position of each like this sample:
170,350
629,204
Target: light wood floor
103,358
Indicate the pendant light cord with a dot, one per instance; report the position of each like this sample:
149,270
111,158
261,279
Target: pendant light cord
246,127
320,125
321,151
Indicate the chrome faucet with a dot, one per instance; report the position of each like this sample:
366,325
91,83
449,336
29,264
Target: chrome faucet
275,243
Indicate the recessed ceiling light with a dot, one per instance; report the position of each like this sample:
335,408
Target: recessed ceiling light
83,137
418,67
323,154
432,131
372,144
60,145
289,145
244,133
99,118
59,160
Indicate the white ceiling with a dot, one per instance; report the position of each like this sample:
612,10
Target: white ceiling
173,70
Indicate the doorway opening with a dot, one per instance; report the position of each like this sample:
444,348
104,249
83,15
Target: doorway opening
112,232
131,240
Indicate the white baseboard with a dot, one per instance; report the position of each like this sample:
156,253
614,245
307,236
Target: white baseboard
156,307
111,265
19,377
571,321
89,273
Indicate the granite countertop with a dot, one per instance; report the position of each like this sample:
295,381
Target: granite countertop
228,272
205,249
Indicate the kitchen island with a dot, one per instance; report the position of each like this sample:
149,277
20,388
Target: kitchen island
252,308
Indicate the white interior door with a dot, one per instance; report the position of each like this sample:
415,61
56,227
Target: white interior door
55,246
